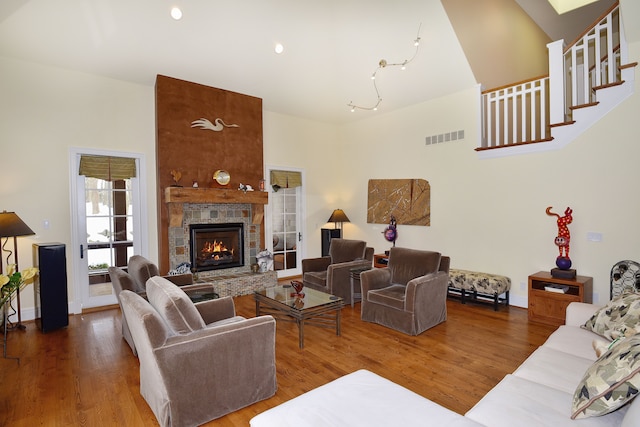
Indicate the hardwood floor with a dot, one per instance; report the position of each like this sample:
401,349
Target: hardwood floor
86,375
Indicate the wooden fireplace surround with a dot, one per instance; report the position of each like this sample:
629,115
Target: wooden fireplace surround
197,153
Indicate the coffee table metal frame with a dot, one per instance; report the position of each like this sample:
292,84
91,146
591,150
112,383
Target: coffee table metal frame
315,308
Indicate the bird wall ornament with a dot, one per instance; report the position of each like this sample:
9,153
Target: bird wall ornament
207,125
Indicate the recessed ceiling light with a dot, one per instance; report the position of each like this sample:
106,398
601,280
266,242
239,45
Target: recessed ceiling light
176,13
279,48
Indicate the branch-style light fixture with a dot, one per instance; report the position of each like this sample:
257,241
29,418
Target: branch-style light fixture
338,217
383,63
12,226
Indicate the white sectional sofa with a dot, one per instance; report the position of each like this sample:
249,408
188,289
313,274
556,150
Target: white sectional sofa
539,393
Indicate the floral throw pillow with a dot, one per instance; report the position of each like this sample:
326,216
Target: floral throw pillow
619,315
612,381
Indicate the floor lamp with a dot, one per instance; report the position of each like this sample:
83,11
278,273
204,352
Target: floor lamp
12,226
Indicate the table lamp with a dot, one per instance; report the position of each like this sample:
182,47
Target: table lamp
338,217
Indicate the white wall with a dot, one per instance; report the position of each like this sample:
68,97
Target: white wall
45,111
487,215
316,148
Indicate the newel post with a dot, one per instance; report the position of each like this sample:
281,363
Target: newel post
556,82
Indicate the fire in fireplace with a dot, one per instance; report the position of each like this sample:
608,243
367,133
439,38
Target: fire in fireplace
216,246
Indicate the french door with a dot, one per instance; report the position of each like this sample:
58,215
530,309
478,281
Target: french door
285,220
106,217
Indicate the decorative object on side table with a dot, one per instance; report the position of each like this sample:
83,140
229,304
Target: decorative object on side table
562,240
391,232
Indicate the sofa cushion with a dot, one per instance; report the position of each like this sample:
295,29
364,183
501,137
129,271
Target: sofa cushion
620,314
360,399
573,340
173,305
517,401
610,382
317,278
632,417
554,368
391,296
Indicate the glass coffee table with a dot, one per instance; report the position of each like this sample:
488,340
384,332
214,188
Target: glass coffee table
315,308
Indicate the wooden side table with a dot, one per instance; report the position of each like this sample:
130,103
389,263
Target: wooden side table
550,307
380,260
356,286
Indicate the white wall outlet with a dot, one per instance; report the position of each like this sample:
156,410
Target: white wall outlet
594,237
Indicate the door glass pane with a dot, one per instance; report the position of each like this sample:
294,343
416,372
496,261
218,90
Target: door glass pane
109,223
284,228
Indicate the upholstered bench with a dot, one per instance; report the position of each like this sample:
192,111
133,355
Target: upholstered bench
479,284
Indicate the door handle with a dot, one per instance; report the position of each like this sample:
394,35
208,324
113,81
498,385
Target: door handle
81,251
299,236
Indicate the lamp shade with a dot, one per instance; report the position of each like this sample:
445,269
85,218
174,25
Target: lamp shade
338,215
11,225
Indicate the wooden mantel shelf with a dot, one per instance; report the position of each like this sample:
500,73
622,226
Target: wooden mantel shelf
176,196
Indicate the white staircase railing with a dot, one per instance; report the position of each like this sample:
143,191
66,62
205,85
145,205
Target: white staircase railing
526,112
593,61
515,114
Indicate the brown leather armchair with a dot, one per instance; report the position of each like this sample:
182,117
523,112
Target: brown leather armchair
199,361
331,274
410,295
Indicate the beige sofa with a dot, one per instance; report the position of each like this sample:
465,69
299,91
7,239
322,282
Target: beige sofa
198,361
538,393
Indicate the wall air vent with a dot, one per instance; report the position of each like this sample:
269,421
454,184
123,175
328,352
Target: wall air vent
444,137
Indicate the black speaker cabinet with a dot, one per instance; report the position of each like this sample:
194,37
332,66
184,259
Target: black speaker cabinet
52,307
327,234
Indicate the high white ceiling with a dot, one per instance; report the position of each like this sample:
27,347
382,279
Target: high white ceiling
331,48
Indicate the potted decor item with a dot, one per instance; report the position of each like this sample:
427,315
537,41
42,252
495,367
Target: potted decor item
562,240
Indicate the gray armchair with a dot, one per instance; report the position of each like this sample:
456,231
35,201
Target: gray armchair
121,280
199,361
410,295
331,274
141,269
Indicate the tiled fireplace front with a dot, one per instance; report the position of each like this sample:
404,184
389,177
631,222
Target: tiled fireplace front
228,281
